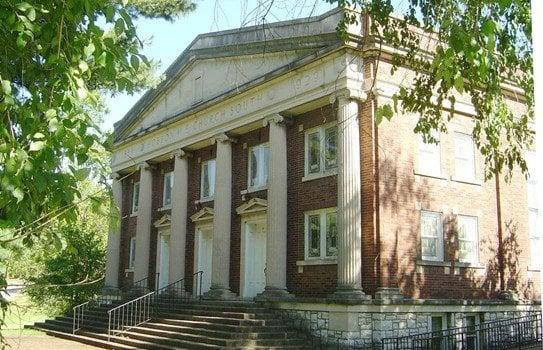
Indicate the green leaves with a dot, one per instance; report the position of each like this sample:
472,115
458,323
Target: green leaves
6,87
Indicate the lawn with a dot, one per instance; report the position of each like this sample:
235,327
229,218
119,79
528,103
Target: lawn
21,312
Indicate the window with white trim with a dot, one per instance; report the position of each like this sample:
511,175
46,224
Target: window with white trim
167,192
534,212
468,239
207,183
464,155
132,253
135,197
321,149
429,162
431,235
258,166
321,234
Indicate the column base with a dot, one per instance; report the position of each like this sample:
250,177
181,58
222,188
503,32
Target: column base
219,293
350,295
274,294
389,294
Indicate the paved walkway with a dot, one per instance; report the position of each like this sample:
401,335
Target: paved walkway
44,342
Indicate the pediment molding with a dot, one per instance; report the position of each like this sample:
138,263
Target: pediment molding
253,205
164,221
204,214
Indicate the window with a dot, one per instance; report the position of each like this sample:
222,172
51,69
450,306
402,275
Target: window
431,232
167,193
135,197
534,212
258,166
468,239
321,150
464,154
207,189
132,253
321,234
430,157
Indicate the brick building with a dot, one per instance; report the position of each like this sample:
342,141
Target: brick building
258,161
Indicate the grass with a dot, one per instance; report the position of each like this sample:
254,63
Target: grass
22,312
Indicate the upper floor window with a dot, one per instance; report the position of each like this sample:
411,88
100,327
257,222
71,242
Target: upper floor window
207,183
135,197
321,234
429,162
132,253
167,193
464,153
431,233
258,166
468,239
321,149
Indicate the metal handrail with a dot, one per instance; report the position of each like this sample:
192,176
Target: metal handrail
80,309
176,290
130,314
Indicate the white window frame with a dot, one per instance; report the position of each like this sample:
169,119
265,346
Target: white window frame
264,174
211,181
440,242
132,253
321,130
323,233
475,259
421,144
165,205
135,198
459,136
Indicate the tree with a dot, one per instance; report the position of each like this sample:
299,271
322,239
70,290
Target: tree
481,47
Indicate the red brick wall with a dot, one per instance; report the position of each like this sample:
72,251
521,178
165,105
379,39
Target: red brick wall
128,227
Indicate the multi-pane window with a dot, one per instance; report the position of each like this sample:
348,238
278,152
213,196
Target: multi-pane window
207,188
258,166
132,253
431,233
534,212
429,162
464,154
321,234
468,239
135,197
321,149
168,186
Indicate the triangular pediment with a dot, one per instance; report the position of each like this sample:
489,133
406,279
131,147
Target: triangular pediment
204,214
254,205
164,221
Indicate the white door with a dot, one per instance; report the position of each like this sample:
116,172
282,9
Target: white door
204,256
255,258
164,260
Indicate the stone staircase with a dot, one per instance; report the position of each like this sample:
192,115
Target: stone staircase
187,325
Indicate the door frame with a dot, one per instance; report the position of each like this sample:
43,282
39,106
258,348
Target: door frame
260,217
197,237
162,231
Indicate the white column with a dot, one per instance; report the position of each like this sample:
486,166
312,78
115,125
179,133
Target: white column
220,266
276,234
114,236
349,199
179,216
143,229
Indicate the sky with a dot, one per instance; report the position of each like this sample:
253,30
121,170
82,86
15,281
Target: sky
169,39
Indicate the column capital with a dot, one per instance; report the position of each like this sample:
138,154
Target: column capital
180,153
115,176
348,94
274,118
222,137
145,165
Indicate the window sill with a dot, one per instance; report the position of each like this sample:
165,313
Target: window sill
204,200
467,181
433,176
469,265
128,270
254,189
133,215
533,268
310,177
169,207
434,263
312,262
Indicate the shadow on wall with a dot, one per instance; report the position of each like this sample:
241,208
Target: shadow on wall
400,247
